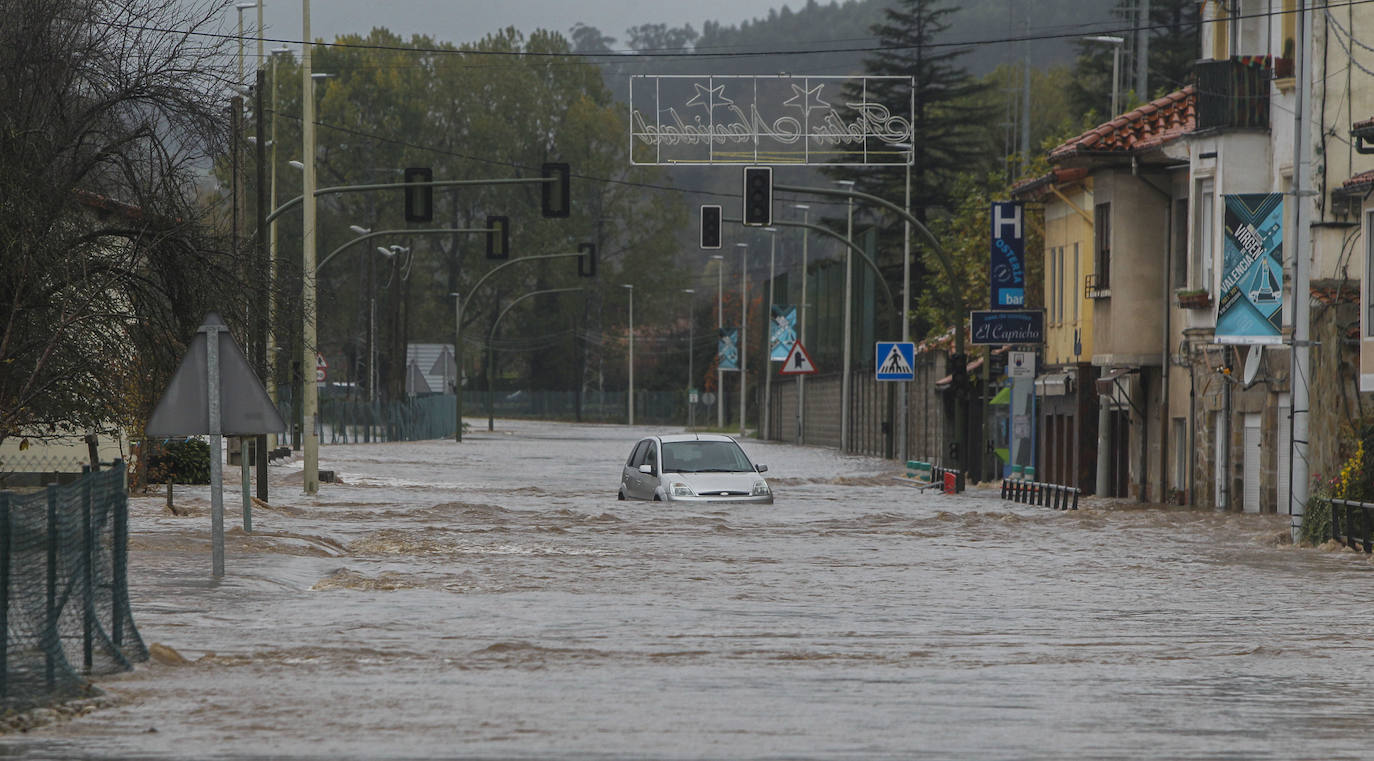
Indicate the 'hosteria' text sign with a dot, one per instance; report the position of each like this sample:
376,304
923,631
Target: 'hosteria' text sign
781,119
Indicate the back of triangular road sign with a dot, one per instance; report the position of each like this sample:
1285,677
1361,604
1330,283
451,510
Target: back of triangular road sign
798,362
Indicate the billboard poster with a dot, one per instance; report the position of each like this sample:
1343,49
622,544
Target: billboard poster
1007,269
1250,301
782,332
727,351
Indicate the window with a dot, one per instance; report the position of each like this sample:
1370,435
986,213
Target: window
1248,19
637,455
1075,293
1180,444
1060,296
1102,243
1288,41
1203,233
1180,244
1049,296
1368,267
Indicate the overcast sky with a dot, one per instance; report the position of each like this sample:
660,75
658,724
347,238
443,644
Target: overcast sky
467,20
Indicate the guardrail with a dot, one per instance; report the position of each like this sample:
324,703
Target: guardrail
1056,496
1352,524
925,475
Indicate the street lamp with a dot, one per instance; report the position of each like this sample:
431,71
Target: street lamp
720,328
906,294
272,245
631,395
691,377
744,329
767,330
848,307
241,7
801,317
310,474
1116,43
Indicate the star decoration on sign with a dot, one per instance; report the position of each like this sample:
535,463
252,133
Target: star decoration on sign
806,95
715,96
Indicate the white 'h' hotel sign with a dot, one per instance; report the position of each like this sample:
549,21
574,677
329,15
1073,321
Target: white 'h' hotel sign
683,119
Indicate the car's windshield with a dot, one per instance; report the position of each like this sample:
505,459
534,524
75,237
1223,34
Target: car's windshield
704,457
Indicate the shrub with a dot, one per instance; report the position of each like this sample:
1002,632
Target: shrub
179,462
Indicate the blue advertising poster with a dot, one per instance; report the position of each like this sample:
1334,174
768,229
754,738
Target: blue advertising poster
727,352
1250,302
782,332
1007,270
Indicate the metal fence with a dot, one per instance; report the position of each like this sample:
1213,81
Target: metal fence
64,595
1352,523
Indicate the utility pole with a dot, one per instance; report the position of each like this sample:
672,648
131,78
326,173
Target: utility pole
1142,53
1302,310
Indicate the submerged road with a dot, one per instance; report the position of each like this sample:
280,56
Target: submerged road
492,599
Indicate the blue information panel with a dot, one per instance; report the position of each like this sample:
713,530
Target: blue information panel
895,360
999,327
1007,270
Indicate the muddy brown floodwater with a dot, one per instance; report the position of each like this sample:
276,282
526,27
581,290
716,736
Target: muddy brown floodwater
492,599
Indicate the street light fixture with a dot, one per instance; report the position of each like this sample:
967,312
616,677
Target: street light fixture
805,209
631,396
691,348
1116,42
848,312
720,328
743,330
906,295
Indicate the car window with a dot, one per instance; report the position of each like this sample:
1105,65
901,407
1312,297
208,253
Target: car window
637,454
704,457
651,456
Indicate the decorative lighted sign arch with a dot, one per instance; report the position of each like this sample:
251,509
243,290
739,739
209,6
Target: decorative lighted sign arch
780,119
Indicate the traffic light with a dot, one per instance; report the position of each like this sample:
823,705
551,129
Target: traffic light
586,262
419,198
710,227
555,193
498,237
758,196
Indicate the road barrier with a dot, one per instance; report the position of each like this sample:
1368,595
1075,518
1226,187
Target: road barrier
1056,496
924,475
1352,523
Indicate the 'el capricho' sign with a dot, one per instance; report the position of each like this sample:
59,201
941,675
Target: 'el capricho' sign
770,119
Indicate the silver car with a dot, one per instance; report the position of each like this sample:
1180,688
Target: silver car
693,467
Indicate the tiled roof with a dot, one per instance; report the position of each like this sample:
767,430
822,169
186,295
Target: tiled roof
1153,124
1365,126
1334,292
1360,184
1037,186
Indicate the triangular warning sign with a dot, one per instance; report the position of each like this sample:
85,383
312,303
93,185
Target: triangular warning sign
895,363
244,407
798,362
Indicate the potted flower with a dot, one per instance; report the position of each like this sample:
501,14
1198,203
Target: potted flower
1194,298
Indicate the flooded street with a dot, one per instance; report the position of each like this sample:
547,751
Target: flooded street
493,599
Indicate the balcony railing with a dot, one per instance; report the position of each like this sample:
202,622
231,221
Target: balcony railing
1234,93
1096,286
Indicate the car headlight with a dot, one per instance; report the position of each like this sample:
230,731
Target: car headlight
760,489
680,489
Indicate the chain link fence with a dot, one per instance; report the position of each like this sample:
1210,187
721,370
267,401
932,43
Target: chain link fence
64,595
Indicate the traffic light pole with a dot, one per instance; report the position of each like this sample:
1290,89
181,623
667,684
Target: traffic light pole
956,300
553,187
458,343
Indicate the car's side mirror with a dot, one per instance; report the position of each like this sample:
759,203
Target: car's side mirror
646,469
761,468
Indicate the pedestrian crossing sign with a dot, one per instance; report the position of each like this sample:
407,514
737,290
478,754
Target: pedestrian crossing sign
895,360
798,362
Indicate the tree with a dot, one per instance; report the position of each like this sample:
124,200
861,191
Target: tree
495,109
951,131
109,263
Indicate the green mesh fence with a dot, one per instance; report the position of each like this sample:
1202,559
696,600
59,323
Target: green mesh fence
64,595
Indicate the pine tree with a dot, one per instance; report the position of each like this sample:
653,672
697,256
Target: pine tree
1174,45
952,127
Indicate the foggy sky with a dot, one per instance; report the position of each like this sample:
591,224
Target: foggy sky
461,21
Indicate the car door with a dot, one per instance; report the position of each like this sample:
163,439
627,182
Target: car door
651,479
632,480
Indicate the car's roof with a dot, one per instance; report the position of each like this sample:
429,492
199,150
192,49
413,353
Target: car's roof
675,437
